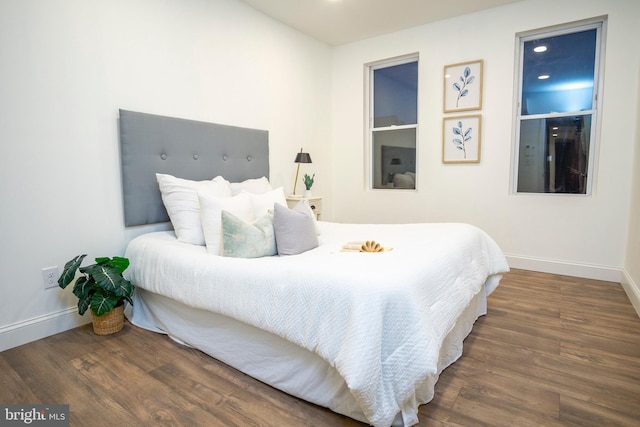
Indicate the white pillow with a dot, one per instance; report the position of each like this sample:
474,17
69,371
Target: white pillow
411,175
180,198
211,208
403,181
254,185
263,203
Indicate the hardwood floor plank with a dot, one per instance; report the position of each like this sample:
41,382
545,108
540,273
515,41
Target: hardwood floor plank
205,383
154,403
552,350
12,386
110,376
304,413
591,413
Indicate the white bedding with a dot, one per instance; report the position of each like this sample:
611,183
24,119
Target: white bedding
378,318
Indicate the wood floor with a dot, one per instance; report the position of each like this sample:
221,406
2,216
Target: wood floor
552,351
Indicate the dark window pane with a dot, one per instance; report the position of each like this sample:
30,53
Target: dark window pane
554,155
395,95
394,153
568,64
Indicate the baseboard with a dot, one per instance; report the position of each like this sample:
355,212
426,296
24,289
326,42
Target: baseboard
587,271
632,290
40,327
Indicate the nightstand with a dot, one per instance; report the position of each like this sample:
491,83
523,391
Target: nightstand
314,201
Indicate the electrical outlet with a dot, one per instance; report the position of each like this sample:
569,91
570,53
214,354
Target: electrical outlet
50,277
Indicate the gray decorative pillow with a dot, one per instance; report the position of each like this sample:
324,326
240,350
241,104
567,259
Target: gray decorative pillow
295,229
241,239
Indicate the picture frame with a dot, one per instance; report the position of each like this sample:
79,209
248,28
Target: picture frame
463,86
461,139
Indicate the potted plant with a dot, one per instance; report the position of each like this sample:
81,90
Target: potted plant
308,182
102,288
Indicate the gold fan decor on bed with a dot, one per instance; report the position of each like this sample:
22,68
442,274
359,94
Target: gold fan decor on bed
371,246
364,246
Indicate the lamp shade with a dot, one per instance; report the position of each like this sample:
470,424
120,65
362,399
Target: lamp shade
302,158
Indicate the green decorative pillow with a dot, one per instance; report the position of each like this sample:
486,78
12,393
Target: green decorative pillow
241,239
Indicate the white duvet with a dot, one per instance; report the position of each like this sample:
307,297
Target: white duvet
378,318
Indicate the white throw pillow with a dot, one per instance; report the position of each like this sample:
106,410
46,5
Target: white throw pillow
180,198
254,185
211,208
263,203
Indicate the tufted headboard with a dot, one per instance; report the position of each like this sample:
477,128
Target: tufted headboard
188,149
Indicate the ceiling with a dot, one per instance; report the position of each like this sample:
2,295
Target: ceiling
336,22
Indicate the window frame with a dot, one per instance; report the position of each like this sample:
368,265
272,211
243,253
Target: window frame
598,23
370,68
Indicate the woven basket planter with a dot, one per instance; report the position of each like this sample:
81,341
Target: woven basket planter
109,323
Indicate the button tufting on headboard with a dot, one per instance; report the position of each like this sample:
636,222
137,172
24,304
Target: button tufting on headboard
199,151
248,158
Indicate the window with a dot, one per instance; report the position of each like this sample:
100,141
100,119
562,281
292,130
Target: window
393,123
557,107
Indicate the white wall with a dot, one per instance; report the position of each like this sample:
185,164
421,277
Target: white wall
69,65
569,234
631,278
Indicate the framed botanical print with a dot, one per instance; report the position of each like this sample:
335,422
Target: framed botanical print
463,86
461,139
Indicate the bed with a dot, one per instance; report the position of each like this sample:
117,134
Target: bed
365,334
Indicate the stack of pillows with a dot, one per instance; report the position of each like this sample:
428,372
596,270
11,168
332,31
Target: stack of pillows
248,219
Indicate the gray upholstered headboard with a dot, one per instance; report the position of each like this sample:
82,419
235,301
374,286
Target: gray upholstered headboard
188,149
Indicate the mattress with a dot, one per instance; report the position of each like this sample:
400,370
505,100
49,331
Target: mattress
375,329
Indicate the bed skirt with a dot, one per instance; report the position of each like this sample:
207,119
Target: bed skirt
276,361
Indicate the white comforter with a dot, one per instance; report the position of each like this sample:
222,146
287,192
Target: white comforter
378,318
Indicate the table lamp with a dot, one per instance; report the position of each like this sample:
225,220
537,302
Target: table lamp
300,158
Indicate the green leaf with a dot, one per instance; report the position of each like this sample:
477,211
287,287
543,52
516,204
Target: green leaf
120,263
106,277
69,271
102,302
125,290
83,287
83,304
